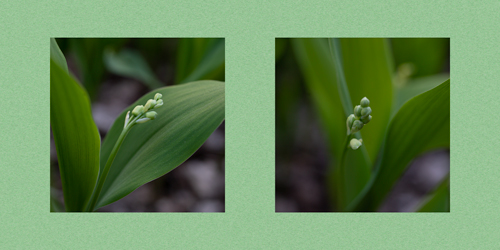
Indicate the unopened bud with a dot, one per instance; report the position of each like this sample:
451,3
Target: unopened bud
139,109
365,112
151,115
355,143
365,102
158,96
357,111
356,126
349,122
150,104
366,119
159,103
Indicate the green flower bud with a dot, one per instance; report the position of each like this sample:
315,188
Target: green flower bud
357,111
150,104
365,112
143,120
355,143
139,109
159,103
349,122
151,115
158,96
365,102
356,126
366,119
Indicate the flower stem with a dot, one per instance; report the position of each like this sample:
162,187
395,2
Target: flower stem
102,177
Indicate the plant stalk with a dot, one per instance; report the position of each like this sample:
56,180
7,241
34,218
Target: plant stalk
102,177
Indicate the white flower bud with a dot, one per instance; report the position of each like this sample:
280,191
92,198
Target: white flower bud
158,96
151,115
159,103
355,143
150,104
139,109
349,122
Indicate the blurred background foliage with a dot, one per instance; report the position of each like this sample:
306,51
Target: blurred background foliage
118,71
308,110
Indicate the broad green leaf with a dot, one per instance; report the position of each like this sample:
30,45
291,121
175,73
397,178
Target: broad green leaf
131,64
426,55
191,112
368,73
439,200
57,55
212,60
315,61
422,124
76,137
416,87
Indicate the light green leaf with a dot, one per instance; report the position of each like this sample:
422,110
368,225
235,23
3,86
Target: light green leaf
131,64
57,55
422,124
315,61
416,87
76,137
191,112
368,73
212,60
439,200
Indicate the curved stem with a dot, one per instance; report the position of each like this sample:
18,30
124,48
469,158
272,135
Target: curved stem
102,177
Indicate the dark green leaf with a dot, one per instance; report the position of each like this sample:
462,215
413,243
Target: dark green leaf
368,74
423,123
315,61
131,64
191,112
76,137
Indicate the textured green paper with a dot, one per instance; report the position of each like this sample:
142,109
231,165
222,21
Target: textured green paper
250,28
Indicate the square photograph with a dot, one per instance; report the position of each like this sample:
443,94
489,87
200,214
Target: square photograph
137,124
362,125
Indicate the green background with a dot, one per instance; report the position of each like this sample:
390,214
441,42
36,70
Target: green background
250,28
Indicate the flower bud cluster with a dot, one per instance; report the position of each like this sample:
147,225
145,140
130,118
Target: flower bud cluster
143,114
361,116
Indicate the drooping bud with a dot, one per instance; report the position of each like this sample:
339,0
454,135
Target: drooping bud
357,111
365,102
143,120
158,96
139,109
366,119
159,103
150,104
355,143
365,112
151,115
357,125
